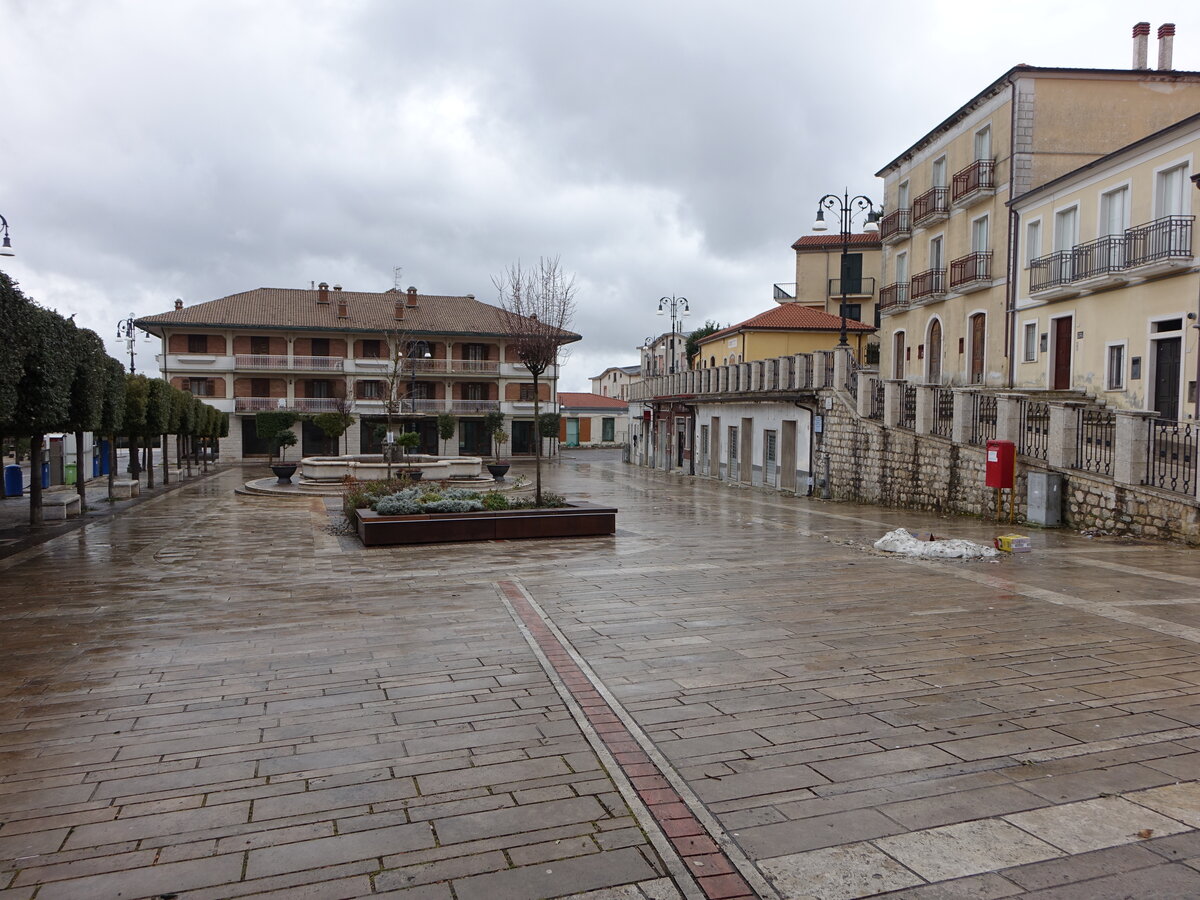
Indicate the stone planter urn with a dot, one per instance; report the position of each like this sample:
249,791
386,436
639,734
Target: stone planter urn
284,472
498,470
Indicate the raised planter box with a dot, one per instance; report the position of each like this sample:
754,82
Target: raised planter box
576,520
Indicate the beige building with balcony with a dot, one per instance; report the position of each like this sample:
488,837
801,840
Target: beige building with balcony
948,245
329,350
1108,287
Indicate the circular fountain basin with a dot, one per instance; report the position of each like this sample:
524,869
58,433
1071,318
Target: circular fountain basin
371,467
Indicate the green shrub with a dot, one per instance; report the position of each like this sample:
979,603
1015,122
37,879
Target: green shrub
397,505
494,500
448,506
552,501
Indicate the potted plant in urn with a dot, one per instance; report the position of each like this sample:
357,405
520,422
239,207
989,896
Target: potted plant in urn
498,467
284,470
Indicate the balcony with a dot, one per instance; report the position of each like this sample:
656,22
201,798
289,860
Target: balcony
470,407
931,207
784,291
972,272
1160,246
855,287
895,227
929,285
974,183
1050,276
260,361
894,297
259,404
1100,262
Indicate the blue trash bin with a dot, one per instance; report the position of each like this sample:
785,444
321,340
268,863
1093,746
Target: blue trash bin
45,475
95,465
104,454
14,481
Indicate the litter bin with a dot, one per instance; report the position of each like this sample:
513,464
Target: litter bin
95,465
14,481
45,475
69,473
104,456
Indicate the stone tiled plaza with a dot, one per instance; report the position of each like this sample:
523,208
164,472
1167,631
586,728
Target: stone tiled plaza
211,696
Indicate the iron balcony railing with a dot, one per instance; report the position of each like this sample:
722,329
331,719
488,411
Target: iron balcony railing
1034,430
978,176
971,268
895,224
259,404
894,296
930,283
260,361
930,204
318,404
876,399
855,287
318,363
1102,256
827,381
1171,453
1052,270
1167,238
785,290
1095,432
474,406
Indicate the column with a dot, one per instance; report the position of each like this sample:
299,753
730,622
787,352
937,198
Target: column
893,397
866,387
1130,445
960,430
1008,418
1063,439
841,368
926,408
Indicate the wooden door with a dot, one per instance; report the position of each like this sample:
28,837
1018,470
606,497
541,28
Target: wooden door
978,332
935,353
1166,377
1062,353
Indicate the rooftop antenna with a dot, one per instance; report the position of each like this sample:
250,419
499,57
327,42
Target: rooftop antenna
396,270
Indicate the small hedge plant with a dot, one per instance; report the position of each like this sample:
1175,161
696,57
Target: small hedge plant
411,501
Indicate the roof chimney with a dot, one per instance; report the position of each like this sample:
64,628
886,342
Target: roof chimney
1141,36
343,308
1166,42
323,292
337,287
399,310
412,297
178,303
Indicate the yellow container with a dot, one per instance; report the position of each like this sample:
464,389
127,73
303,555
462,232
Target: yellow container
1013,543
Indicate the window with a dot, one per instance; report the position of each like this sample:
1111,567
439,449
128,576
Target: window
197,343
1066,228
733,443
1170,192
851,280
608,429
475,391
320,346
1033,241
939,172
260,387
260,346
319,389
902,196
479,353
1029,342
371,349
370,390
1114,212
1114,377
901,268
420,390
936,256
526,393
200,387
983,142
853,311
979,234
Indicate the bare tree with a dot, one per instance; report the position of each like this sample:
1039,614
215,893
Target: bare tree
399,344
538,305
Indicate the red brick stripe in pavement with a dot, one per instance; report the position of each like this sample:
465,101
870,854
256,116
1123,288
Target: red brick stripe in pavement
716,875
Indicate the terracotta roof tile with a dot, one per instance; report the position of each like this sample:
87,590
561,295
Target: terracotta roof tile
834,241
287,308
589,401
791,317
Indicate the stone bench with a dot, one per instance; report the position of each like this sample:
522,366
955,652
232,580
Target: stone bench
60,505
124,490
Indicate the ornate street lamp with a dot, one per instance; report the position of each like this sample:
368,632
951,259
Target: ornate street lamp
5,245
678,308
846,207
127,333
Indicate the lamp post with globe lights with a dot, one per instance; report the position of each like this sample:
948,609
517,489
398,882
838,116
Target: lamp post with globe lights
846,207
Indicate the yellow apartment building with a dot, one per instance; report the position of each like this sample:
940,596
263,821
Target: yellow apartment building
785,330
1108,286
947,235
821,275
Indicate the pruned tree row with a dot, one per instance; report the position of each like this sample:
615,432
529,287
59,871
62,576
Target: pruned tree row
57,377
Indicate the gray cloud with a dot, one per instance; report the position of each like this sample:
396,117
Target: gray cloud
159,150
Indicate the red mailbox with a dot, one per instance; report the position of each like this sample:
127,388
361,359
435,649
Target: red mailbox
1001,463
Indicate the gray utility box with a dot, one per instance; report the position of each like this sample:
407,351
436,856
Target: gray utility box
1044,500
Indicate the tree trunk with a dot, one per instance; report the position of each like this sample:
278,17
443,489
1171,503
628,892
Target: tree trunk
204,454
134,461
149,462
80,481
537,441
187,454
35,479
166,460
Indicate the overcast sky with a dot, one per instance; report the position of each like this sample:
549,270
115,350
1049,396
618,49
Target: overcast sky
154,149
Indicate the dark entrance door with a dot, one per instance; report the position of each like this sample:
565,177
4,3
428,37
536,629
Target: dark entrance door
977,338
1062,353
427,429
1166,377
252,444
935,353
522,438
313,441
473,439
